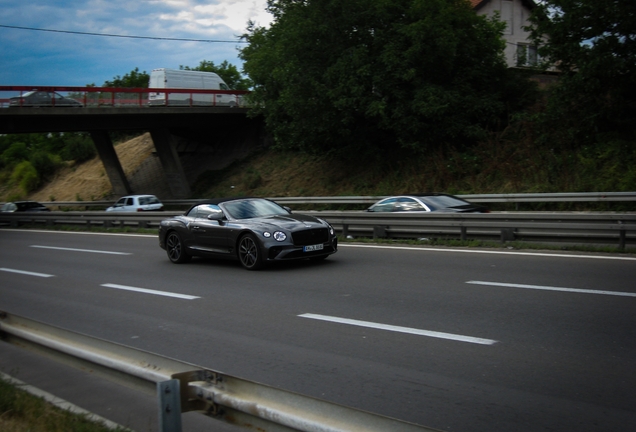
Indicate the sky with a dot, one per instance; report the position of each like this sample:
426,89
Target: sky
39,58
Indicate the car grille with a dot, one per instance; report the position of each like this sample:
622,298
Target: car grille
310,236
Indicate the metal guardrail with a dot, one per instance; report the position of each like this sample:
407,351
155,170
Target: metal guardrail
122,96
339,200
182,387
477,198
585,228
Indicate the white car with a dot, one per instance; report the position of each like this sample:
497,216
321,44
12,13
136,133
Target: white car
136,203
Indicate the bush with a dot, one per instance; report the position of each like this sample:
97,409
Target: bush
78,149
26,176
45,163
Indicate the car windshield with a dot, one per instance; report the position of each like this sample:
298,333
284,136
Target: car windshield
443,201
29,93
252,208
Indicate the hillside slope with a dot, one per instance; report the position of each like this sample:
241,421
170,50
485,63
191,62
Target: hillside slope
88,181
499,166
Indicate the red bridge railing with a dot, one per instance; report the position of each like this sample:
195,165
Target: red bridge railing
125,97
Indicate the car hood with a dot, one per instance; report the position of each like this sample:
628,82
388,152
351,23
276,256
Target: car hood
291,222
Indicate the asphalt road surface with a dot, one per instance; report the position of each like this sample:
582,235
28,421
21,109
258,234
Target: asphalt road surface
458,340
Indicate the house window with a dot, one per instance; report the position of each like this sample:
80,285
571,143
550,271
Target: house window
526,55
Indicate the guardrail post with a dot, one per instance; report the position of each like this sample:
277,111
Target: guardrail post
169,395
621,236
507,234
345,230
379,232
463,233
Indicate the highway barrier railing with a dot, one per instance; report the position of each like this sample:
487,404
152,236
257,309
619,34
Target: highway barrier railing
605,228
183,387
119,97
362,200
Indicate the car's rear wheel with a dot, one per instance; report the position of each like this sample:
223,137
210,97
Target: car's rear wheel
249,253
175,249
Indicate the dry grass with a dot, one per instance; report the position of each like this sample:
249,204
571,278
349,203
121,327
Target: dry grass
89,181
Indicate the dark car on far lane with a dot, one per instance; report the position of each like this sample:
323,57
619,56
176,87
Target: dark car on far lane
24,206
253,230
35,99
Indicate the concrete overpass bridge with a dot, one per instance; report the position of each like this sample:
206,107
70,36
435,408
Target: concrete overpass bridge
102,110
227,129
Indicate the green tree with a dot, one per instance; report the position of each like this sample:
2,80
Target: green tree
230,74
134,79
332,75
592,44
26,176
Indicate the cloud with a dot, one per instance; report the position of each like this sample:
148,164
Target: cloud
45,58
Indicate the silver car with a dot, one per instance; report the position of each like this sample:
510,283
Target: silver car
432,202
136,203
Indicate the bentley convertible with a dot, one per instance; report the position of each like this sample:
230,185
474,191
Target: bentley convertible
253,230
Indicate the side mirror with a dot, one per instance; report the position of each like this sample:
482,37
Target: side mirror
288,209
216,215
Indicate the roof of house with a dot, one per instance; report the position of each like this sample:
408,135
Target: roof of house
476,4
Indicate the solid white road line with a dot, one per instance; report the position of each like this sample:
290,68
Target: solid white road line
44,275
493,252
549,288
149,291
80,250
408,330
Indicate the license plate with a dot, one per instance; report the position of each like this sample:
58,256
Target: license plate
313,248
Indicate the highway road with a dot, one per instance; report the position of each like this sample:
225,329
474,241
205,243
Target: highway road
455,339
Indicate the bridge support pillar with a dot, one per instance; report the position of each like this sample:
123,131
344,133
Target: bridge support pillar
170,162
108,156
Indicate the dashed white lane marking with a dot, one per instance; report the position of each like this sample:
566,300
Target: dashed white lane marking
550,288
81,250
149,291
399,329
28,273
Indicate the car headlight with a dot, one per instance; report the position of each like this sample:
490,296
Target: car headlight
331,230
280,236
267,234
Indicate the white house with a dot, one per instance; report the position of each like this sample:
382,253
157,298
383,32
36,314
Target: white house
519,50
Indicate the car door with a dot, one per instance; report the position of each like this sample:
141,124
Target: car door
386,205
406,204
124,204
40,98
210,235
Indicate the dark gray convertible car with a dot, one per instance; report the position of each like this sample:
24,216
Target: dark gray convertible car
253,230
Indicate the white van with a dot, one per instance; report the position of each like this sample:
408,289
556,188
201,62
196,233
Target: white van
188,79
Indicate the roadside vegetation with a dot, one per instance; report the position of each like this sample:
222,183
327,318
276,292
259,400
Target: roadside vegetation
21,411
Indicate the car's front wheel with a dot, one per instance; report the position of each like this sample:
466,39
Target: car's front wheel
175,249
249,253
